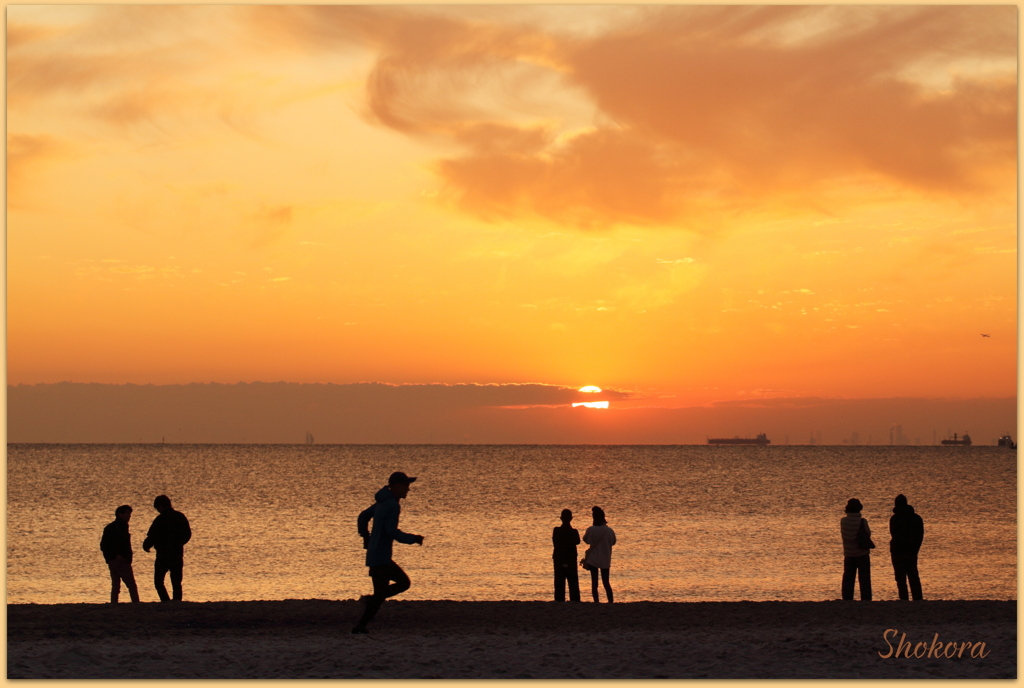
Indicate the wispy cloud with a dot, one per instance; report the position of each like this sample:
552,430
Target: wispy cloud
695,108
26,152
270,224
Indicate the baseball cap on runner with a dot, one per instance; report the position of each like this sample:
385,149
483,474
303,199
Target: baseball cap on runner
400,478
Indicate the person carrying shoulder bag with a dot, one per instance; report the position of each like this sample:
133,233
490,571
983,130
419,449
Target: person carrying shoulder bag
857,547
601,538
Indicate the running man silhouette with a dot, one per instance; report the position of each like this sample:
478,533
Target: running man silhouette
385,512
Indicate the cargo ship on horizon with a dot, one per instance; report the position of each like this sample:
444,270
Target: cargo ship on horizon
963,441
761,440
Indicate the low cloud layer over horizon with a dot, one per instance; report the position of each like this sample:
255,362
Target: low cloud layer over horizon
373,413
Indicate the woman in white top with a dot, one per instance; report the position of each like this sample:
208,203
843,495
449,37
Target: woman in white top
599,556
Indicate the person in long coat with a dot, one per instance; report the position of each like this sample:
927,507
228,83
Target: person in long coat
601,538
856,559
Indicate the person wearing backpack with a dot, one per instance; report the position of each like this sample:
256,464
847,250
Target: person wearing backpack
856,551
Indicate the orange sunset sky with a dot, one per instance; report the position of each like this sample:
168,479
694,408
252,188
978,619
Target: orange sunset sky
689,204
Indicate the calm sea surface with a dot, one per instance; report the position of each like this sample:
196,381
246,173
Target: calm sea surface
693,522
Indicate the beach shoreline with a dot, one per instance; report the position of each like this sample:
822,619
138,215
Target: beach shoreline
292,639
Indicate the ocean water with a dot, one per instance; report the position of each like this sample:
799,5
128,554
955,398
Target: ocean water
694,523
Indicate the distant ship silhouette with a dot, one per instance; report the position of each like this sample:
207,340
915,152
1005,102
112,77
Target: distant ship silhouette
761,439
965,440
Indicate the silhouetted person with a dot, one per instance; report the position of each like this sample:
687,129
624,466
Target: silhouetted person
565,538
168,534
600,537
385,512
116,545
857,560
907,531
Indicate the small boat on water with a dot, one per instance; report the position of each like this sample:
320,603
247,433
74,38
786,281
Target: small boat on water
964,441
309,437
1007,441
761,439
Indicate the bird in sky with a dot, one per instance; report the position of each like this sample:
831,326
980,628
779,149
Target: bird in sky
986,335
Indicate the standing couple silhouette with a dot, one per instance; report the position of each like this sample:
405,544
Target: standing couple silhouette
598,557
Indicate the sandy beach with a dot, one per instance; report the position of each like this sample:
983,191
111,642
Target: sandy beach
446,639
